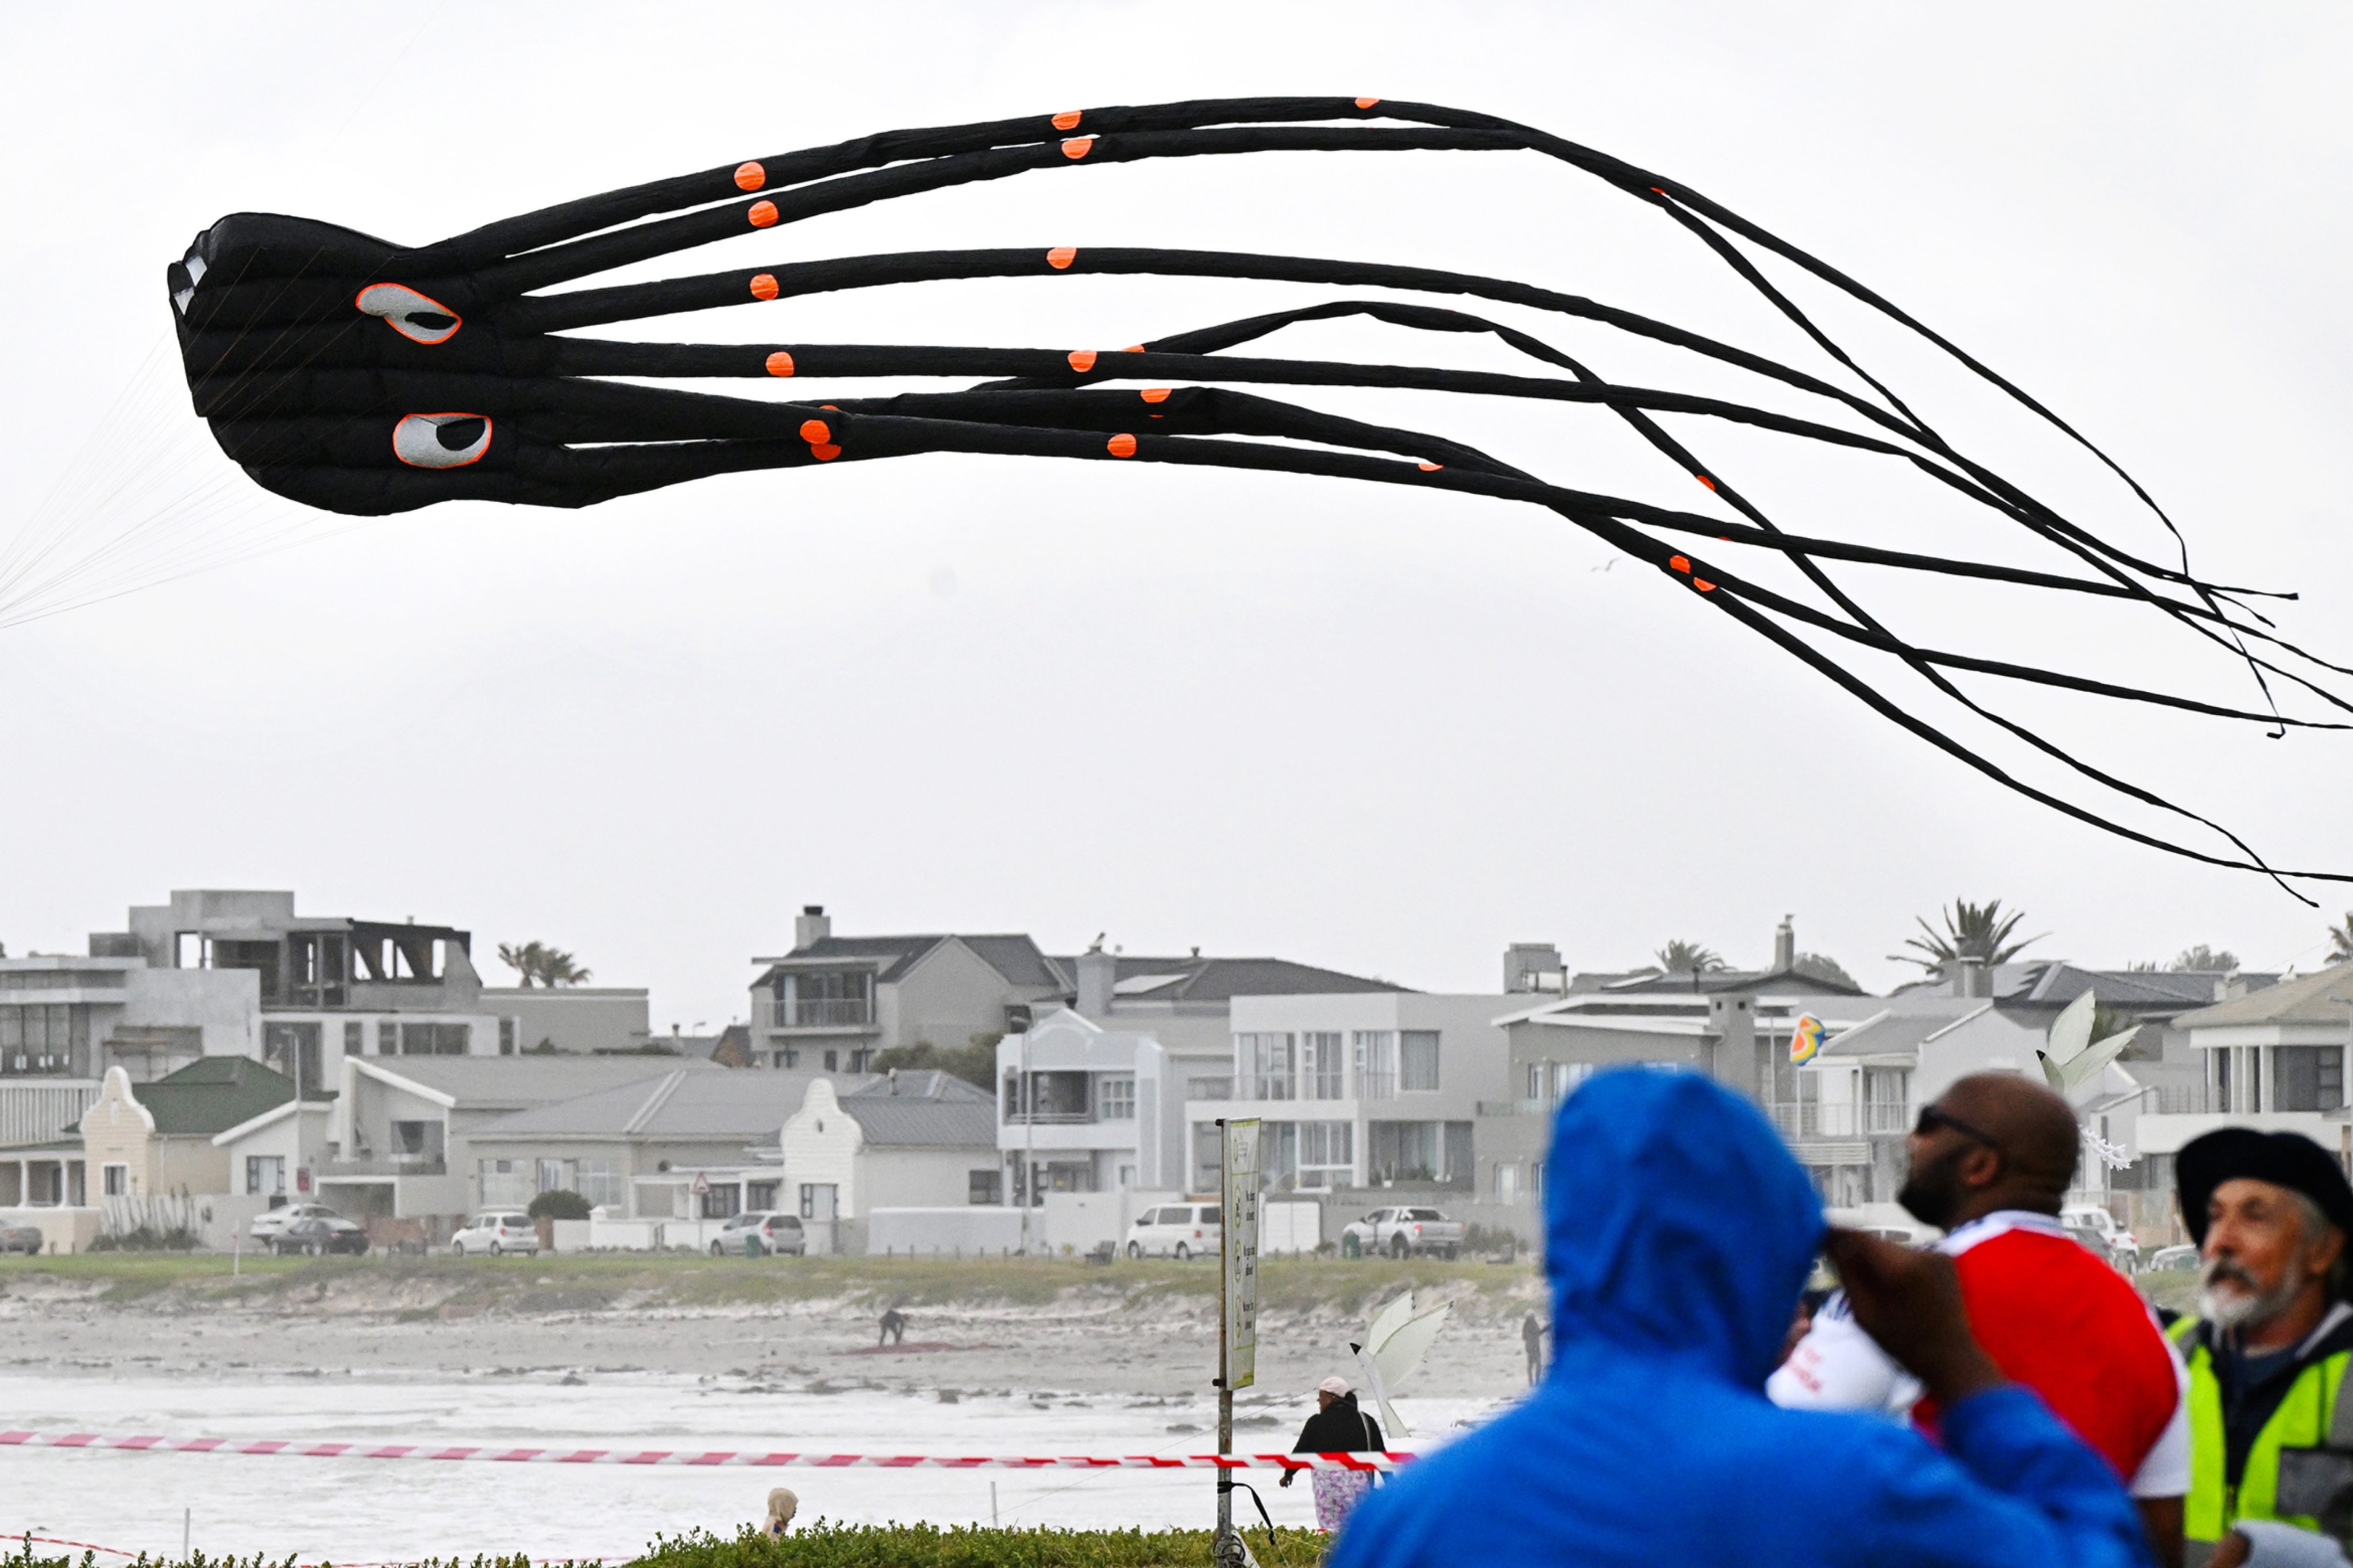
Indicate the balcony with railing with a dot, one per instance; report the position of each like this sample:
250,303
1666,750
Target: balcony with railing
826,1013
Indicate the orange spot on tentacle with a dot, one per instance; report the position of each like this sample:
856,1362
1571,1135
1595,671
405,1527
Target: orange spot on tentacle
1703,586
1679,562
762,215
1066,120
1431,468
750,176
1062,256
1082,359
1156,393
1121,445
764,285
1705,480
1133,349
815,432
1078,146
824,452
830,407
780,364
1367,103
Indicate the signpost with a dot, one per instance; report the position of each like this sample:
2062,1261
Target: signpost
1238,1193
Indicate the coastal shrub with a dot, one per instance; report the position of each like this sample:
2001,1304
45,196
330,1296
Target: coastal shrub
557,1203
146,1238
828,1545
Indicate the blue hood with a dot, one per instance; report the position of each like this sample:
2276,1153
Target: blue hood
1675,1224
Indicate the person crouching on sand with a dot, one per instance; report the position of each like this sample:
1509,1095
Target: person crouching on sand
782,1505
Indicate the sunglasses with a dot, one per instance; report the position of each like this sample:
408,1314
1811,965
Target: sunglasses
1932,1117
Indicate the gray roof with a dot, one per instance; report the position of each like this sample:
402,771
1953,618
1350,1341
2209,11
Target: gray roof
515,1083
933,1109
1013,956
1197,980
2143,991
689,1100
1782,981
2323,999
1894,1033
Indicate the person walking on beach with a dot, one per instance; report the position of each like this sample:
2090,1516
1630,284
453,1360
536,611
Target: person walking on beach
894,1327
1336,1428
1532,1336
1679,1232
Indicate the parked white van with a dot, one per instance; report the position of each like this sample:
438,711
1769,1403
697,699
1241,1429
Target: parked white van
1176,1230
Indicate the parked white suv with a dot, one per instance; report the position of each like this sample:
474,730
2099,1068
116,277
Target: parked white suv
497,1232
269,1223
1176,1230
2123,1245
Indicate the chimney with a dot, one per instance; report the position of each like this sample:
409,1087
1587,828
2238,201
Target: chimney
1971,978
1533,966
1098,971
1785,945
2231,987
812,927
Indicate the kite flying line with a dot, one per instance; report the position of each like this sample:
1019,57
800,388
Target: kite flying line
364,377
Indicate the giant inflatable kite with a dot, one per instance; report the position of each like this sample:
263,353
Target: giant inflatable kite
366,377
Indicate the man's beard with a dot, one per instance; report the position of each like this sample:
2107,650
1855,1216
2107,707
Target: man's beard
1931,1193
2251,1306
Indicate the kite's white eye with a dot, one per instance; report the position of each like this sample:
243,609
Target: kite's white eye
441,440
413,316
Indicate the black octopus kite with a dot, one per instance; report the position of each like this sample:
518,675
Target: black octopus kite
361,376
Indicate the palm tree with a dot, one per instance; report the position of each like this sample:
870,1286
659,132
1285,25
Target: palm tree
1971,931
1822,966
539,963
2202,957
1681,957
2340,940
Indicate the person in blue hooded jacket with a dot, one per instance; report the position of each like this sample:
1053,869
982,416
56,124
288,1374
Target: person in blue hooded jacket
1678,1234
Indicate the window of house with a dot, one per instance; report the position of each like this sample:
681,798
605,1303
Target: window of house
1417,1062
2308,1078
188,950
354,1037
1376,1063
1507,1182
1265,1063
507,1037
1404,1151
1327,1154
832,1064
760,1194
388,1037
504,1182
116,1181
435,1039
1536,1180
416,1140
1322,1066
985,1187
265,1176
1887,1096
1115,1098
550,1176
600,1183
788,1058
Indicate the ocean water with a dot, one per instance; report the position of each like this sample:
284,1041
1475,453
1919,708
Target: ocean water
362,1511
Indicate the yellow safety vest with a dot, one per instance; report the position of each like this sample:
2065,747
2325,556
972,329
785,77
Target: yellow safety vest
2305,1416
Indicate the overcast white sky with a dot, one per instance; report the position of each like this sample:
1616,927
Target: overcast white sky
1386,733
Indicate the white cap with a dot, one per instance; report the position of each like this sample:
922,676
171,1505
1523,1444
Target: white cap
1335,1386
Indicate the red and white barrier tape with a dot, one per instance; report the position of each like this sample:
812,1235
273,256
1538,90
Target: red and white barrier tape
284,1448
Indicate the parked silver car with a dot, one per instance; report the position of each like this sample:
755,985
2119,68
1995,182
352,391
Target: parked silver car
761,1233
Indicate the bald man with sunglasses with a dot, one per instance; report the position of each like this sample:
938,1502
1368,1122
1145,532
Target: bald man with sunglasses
1990,1163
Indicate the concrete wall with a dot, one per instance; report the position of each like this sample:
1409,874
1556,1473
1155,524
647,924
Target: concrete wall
820,1143
972,1232
928,1177
62,1230
946,999
578,1019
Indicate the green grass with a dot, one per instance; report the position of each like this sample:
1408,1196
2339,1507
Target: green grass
824,1545
601,1281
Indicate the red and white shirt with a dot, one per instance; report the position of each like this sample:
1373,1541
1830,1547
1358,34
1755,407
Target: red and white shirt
2054,1318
